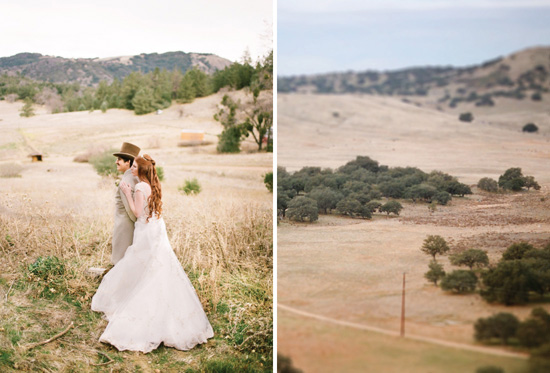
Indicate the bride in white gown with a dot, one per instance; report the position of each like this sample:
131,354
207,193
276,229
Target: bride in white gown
147,297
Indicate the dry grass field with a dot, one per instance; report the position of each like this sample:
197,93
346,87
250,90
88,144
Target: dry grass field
352,269
222,236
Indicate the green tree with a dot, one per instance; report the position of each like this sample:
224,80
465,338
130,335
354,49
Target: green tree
326,198
231,136
470,258
283,199
301,208
144,101
512,179
435,272
466,117
530,182
27,110
434,245
517,251
352,207
503,326
259,120
456,188
391,207
186,91
459,281
130,86
530,127
372,206
509,283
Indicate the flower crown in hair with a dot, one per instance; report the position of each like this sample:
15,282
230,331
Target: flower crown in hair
147,157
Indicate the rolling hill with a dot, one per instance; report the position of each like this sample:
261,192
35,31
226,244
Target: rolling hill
90,71
524,75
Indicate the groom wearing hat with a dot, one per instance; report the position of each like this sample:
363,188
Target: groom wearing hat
123,233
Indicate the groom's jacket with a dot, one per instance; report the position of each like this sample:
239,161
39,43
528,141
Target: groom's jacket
123,233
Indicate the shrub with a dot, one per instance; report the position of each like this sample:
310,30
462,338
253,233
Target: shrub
459,281
268,181
536,96
539,362
10,170
466,117
104,163
442,197
47,273
27,110
302,208
530,127
190,187
284,365
435,273
160,172
487,184
503,325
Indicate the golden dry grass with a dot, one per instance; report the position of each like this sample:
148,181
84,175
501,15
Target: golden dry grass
223,237
351,269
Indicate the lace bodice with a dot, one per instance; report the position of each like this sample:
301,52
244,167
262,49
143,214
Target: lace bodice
146,190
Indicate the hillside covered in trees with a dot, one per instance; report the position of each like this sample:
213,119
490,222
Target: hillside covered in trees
90,71
522,75
140,91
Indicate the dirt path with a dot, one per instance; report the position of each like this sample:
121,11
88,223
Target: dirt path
462,346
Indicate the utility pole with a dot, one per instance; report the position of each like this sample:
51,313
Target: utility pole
403,309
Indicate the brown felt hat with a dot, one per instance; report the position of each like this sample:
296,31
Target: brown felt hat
128,150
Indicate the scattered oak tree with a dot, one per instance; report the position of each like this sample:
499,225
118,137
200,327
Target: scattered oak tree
391,207
459,281
470,258
303,209
434,245
501,326
435,272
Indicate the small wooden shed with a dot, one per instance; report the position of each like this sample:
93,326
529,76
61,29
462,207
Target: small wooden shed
36,157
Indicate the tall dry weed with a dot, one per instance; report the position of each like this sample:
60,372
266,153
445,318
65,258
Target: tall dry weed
225,246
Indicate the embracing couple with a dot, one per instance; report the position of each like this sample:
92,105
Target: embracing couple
146,297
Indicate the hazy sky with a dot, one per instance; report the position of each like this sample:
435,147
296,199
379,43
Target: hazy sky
338,35
107,28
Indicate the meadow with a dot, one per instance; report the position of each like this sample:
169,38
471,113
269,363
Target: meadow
56,223
351,270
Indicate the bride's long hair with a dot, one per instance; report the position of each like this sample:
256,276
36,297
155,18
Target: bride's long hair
148,173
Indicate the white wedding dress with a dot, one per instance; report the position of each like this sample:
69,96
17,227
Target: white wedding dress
147,297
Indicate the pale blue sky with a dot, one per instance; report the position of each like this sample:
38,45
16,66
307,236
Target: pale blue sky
330,35
108,28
